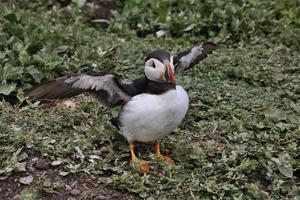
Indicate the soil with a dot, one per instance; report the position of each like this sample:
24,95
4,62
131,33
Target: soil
77,186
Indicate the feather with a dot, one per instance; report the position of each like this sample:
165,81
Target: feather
104,87
187,59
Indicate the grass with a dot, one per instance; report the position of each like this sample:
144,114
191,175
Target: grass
239,140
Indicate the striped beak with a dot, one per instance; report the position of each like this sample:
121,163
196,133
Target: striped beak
169,73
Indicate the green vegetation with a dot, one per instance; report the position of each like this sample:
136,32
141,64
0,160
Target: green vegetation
221,21
240,138
42,40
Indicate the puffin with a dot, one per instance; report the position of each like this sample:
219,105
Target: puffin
151,106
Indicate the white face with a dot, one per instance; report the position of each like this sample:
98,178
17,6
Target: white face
158,71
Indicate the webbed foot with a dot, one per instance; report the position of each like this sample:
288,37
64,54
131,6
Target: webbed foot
166,159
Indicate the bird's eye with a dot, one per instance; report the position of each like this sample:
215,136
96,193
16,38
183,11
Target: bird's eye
153,65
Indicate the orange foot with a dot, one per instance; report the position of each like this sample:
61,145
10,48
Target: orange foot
140,165
167,160
144,167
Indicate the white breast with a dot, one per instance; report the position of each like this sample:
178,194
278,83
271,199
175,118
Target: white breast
148,117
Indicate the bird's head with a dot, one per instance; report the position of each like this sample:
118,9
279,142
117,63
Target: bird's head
159,67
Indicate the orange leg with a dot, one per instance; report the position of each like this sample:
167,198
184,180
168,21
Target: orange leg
142,165
168,160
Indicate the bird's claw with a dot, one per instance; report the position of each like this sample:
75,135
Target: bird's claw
166,159
140,165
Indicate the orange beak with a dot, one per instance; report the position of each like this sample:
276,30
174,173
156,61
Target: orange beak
169,73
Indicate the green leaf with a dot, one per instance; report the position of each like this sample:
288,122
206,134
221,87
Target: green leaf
20,166
13,29
36,74
286,170
22,156
11,73
63,173
296,107
11,17
6,89
29,193
79,3
275,115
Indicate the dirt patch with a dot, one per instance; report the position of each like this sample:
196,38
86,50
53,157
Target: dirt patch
44,181
79,186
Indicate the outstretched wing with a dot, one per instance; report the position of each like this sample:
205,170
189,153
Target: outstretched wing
105,87
187,59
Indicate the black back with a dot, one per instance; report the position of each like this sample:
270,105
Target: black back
144,85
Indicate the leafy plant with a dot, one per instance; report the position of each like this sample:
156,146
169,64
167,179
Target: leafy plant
221,21
42,39
240,138
37,45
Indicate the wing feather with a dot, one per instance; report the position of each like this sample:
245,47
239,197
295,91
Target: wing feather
187,59
104,87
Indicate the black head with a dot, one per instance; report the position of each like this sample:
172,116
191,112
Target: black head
160,55
159,67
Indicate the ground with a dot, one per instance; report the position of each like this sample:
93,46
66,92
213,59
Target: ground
239,139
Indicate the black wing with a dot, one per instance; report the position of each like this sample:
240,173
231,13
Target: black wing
137,86
187,59
105,87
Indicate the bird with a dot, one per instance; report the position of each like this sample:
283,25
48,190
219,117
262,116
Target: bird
151,106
